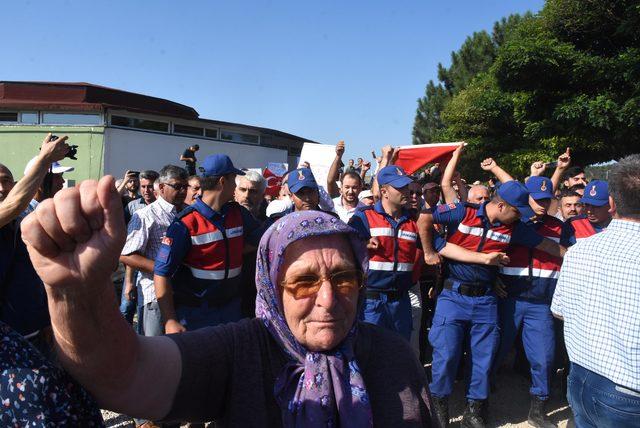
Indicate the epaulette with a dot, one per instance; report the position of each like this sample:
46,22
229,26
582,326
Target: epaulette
185,211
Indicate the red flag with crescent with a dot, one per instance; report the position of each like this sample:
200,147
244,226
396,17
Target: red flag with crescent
274,182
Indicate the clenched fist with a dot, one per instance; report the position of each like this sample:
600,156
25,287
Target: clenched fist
74,239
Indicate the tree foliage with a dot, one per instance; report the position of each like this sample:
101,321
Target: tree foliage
569,76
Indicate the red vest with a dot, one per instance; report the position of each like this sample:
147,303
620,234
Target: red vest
583,228
472,236
215,254
543,265
397,249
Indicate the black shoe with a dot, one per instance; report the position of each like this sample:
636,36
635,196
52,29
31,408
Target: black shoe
538,415
441,410
474,415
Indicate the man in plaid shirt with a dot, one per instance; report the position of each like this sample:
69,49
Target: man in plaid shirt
145,233
598,297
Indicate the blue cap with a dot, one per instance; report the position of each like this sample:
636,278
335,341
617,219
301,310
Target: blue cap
393,176
299,178
540,188
596,193
516,194
218,165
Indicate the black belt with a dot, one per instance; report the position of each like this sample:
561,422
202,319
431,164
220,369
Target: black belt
471,289
196,302
391,294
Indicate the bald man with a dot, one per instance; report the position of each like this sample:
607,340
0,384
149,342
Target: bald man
478,194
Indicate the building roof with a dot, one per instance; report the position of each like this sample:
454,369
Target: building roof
79,97
85,97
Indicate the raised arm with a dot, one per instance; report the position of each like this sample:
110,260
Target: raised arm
386,159
19,197
490,165
74,240
334,171
447,176
564,160
425,229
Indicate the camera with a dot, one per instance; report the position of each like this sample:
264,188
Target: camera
73,149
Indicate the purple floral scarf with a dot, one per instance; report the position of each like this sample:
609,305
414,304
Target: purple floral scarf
315,389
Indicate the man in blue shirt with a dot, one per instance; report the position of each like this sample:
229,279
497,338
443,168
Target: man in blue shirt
197,271
596,214
467,306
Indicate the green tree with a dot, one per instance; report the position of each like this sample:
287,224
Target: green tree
569,76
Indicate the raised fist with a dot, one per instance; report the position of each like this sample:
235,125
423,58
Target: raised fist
488,164
340,148
75,238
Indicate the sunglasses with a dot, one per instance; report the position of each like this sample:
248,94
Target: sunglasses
344,282
177,187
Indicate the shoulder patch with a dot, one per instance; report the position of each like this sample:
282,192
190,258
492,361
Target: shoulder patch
446,207
167,241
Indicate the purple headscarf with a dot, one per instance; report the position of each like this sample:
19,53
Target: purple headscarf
315,389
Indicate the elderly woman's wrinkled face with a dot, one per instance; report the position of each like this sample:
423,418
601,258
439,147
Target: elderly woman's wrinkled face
322,320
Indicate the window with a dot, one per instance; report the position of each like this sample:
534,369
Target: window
211,133
29,117
240,138
71,119
187,130
132,122
8,117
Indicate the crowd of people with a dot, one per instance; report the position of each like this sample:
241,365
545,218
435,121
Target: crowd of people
352,302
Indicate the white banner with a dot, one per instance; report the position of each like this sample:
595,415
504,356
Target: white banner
320,158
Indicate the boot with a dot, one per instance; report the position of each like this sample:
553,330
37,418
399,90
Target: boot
441,410
474,414
538,415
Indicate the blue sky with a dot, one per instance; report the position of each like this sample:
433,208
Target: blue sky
325,70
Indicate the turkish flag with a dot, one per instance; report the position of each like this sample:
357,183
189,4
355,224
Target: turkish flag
412,158
274,183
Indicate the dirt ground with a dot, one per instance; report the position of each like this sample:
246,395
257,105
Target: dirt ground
508,405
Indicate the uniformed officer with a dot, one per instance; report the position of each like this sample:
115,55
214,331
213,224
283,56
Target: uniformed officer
530,280
596,217
467,306
197,272
392,234
393,242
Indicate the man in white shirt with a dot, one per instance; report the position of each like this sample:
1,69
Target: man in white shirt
145,233
345,198
597,296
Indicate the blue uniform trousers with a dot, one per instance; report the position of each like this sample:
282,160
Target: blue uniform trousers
538,338
205,315
460,320
392,314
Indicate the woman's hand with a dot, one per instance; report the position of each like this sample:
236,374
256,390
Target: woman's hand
75,238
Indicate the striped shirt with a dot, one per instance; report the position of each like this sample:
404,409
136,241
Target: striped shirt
598,295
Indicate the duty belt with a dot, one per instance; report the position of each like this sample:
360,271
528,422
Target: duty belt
376,294
471,289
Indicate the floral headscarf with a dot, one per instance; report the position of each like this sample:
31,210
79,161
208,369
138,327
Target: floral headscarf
315,389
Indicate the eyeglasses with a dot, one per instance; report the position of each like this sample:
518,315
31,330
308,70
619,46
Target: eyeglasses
177,187
344,282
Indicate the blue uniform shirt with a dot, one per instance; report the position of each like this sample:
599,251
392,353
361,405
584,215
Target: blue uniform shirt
173,250
568,236
451,215
391,279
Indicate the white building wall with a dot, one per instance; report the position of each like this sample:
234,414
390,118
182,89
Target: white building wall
138,150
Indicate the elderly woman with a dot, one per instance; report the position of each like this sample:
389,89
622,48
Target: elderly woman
304,361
